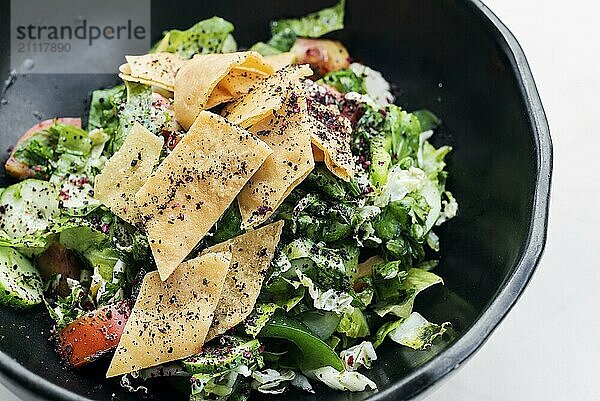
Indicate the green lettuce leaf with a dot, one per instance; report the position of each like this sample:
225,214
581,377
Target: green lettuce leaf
343,380
260,315
397,295
329,266
280,42
38,152
271,381
428,120
228,385
354,324
313,352
228,226
211,35
321,323
104,109
344,81
360,355
65,310
314,24
284,32
137,108
414,332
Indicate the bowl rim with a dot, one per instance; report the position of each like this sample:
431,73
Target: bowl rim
424,377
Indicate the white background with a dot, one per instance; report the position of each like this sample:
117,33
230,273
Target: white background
548,348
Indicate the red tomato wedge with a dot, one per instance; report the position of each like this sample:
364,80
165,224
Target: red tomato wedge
93,335
22,171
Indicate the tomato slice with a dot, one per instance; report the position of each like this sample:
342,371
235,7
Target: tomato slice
323,55
57,259
93,335
21,170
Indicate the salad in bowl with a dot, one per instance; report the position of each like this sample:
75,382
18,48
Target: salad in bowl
236,220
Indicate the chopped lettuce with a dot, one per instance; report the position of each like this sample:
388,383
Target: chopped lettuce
372,84
104,109
137,108
314,24
81,160
220,386
343,380
271,381
69,157
38,152
211,35
354,325
321,323
281,41
65,310
397,294
449,208
327,300
345,81
221,370
328,266
259,317
284,32
360,355
414,331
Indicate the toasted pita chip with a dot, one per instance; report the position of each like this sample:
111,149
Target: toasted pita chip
194,185
331,135
287,132
238,82
198,78
251,256
281,60
218,96
171,318
267,96
157,69
318,154
127,171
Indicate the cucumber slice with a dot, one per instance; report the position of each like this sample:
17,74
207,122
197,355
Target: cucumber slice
218,359
28,207
20,282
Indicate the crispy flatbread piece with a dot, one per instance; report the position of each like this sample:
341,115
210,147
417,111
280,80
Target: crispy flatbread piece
252,253
288,133
281,60
197,79
127,171
267,96
156,69
194,185
171,318
331,136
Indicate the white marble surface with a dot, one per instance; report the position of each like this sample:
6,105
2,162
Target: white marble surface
548,347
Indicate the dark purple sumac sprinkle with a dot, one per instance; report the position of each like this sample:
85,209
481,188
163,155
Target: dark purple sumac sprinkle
263,210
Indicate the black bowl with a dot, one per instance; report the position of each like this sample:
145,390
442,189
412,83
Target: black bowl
451,56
